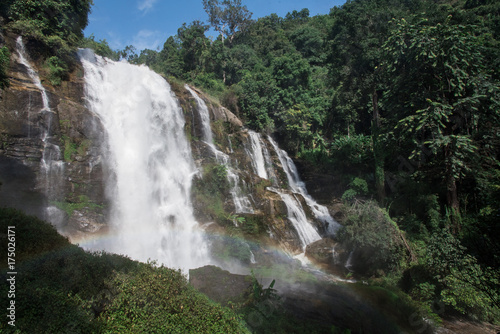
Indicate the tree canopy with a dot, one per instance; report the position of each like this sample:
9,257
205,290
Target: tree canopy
227,16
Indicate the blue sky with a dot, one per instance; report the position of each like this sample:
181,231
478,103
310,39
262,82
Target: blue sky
148,23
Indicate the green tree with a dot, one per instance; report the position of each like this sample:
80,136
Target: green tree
4,66
193,46
463,283
170,58
65,19
375,238
359,29
440,87
129,53
148,57
100,47
258,97
227,17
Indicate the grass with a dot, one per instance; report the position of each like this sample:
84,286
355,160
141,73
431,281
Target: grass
63,289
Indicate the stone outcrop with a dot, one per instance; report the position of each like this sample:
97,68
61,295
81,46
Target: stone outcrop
26,129
75,196
220,285
327,252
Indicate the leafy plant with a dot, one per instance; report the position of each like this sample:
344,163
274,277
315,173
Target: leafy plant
58,70
4,67
372,235
464,283
358,187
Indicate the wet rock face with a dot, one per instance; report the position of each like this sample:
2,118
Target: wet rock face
27,128
327,252
76,194
18,187
220,285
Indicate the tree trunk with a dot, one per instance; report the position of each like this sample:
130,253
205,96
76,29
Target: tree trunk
452,194
378,151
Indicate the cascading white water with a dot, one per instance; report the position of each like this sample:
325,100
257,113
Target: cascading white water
51,165
307,233
296,185
260,157
151,163
257,157
348,263
260,161
242,203
205,117
21,51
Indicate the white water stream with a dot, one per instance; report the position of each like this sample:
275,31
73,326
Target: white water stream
51,165
242,203
260,157
296,185
257,155
150,163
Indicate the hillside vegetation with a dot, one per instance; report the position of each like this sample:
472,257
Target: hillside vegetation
60,288
400,100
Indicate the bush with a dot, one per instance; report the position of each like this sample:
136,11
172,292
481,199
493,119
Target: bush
100,47
358,187
58,70
4,67
464,284
159,300
372,235
34,237
63,289
209,83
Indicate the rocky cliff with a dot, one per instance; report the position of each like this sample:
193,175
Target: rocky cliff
70,193
70,190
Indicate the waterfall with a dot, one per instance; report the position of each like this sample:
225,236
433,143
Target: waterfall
261,162
348,264
241,202
51,165
150,163
31,72
205,118
260,157
296,185
307,233
256,155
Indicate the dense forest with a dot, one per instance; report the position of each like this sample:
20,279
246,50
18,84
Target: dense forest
399,100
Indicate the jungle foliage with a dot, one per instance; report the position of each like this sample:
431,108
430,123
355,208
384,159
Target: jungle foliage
63,289
399,99
52,29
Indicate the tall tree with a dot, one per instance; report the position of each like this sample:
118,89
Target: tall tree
227,16
440,89
358,31
193,45
65,19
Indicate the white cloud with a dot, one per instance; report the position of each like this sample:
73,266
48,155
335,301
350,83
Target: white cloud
114,40
146,5
148,39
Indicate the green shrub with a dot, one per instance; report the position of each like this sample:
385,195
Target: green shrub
58,70
358,187
4,67
83,203
373,235
159,300
464,284
63,289
209,83
33,236
100,47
